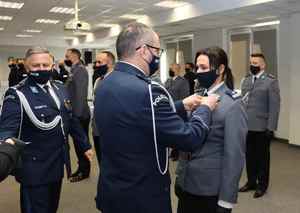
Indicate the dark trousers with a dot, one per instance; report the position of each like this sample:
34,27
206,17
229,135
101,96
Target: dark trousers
189,203
84,164
40,199
258,159
97,146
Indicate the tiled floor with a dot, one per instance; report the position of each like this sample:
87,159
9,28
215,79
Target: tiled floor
282,197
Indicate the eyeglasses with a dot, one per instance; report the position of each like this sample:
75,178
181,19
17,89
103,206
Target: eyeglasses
159,50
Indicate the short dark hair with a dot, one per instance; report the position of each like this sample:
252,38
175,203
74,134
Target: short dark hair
130,37
111,56
259,55
75,51
191,64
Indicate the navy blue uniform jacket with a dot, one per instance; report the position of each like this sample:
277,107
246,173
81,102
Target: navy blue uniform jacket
129,179
43,160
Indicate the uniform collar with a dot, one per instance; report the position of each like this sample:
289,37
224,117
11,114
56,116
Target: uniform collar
259,74
216,88
130,68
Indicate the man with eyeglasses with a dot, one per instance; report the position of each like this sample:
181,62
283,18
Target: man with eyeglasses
138,120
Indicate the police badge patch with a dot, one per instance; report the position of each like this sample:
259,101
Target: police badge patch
159,99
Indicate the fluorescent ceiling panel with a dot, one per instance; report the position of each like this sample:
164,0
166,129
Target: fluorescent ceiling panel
63,10
132,16
23,36
170,4
6,18
12,5
47,21
32,31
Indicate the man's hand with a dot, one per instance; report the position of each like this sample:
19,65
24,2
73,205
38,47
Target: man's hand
211,101
192,102
89,154
10,141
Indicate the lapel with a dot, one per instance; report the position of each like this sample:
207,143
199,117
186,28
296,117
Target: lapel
59,94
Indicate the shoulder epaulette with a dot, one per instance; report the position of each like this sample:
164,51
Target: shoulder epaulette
234,94
19,85
58,82
271,76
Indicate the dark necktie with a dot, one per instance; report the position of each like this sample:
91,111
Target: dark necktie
255,78
46,87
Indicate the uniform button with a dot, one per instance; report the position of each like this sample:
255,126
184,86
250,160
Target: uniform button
34,158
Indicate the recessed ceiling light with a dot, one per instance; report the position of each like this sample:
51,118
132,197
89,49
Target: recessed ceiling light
13,5
47,21
132,16
6,18
170,4
23,36
63,10
1,28
69,37
106,11
266,17
32,31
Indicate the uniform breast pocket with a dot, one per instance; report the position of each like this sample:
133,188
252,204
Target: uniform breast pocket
46,114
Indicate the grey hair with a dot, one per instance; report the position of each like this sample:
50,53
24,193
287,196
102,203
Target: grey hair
131,37
36,50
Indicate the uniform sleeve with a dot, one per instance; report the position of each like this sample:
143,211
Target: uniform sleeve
171,130
234,152
10,115
80,79
8,159
78,134
274,105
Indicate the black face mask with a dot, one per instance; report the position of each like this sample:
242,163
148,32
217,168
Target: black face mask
41,76
61,67
101,70
206,79
171,73
254,69
154,64
68,63
21,66
11,66
188,70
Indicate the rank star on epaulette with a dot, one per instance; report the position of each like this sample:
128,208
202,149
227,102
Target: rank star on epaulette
160,98
234,94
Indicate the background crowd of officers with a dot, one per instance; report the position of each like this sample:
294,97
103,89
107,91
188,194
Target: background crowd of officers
208,178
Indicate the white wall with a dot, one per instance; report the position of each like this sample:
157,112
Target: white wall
284,77
294,61
207,38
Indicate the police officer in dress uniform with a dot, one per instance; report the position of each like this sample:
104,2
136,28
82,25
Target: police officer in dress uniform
208,178
138,120
262,95
39,111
